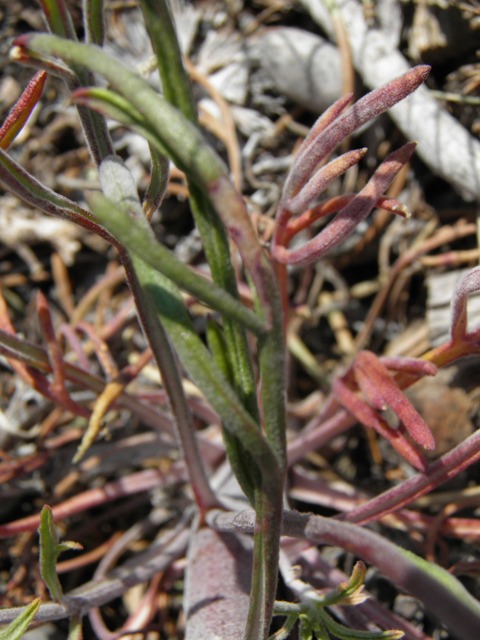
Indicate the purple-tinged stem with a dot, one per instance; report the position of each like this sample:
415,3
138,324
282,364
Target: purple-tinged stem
319,181
354,213
368,107
126,486
319,436
333,205
445,468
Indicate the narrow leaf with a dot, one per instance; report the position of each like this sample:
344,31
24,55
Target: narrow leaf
339,631
49,553
348,218
50,548
58,18
306,631
181,141
364,413
17,628
322,178
75,628
20,113
217,345
118,184
326,119
368,107
214,239
413,366
198,362
346,589
175,82
375,370
137,236
159,176
94,21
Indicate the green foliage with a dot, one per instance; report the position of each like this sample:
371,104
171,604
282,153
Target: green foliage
17,628
314,620
50,548
75,631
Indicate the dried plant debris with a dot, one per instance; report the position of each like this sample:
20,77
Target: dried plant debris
23,226
300,65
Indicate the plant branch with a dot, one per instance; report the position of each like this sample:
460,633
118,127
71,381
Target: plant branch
442,594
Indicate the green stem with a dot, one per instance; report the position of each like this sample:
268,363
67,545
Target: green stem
175,83
60,22
118,184
137,236
94,22
168,366
177,90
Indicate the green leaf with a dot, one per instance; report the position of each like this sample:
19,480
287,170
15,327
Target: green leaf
117,107
217,345
50,548
214,238
17,628
58,18
175,83
345,589
159,176
136,235
118,184
345,633
169,304
284,632
177,90
283,608
306,631
75,631
320,630
94,21
239,458
176,137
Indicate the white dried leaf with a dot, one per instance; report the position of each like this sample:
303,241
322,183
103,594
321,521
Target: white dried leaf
303,66
250,121
21,226
219,49
232,82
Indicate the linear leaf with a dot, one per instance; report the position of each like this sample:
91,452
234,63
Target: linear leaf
137,236
17,628
50,548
